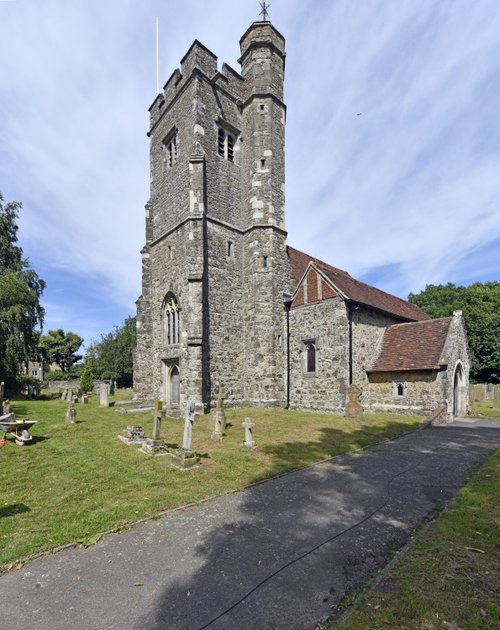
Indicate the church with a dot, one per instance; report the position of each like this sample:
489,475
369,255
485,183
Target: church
227,303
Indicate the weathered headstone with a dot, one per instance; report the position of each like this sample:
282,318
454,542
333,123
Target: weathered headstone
353,408
220,417
249,426
133,434
104,395
84,400
479,392
155,446
6,407
220,425
74,400
496,399
221,395
185,457
71,414
64,393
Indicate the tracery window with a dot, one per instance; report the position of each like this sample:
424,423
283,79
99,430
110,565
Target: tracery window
171,320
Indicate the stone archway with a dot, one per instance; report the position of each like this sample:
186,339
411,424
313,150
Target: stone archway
459,391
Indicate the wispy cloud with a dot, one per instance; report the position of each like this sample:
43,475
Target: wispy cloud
393,142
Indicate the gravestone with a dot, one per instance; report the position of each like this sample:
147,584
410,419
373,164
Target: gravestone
133,434
496,398
471,395
249,426
6,407
84,400
353,408
2,392
479,392
63,395
155,446
71,414
220,417
104,395
185,458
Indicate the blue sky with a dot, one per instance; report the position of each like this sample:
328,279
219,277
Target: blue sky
393,137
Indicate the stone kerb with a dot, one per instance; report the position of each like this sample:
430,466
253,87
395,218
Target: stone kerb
437,417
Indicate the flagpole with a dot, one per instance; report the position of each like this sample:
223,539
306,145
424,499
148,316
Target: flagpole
157,59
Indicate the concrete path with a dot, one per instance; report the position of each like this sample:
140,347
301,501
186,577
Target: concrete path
279,555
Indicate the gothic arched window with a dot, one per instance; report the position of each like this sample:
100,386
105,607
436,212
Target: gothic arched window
171,320
309,356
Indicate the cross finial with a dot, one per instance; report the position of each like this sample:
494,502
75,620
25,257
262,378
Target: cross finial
264,6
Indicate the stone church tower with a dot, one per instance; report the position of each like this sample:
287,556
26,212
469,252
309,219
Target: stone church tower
215,264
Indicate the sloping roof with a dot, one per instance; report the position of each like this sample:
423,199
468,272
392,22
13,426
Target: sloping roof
354,289
413,346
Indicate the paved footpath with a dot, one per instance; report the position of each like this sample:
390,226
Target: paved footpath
278,555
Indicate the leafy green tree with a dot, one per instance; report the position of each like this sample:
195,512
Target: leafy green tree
480,303
112,356
20,291
60,347
87,379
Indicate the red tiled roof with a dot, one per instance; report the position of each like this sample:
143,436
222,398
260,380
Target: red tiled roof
412,346
354,289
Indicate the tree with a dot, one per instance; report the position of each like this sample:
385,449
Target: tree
87,379
20,291
480,303
60,347
112,356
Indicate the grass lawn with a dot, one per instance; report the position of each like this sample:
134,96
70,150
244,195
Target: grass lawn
449,578
74,481
486,408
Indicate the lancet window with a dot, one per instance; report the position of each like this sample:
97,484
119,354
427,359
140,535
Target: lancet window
171,320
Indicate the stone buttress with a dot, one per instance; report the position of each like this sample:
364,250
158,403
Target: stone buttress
214,262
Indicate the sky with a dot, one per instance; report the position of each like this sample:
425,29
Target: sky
392,137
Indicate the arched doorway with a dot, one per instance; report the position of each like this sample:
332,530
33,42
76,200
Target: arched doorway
459,391
174,389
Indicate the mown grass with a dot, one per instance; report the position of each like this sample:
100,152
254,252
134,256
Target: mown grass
74,481
488,408
449,578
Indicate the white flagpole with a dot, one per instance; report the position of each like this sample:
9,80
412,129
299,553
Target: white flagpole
157,59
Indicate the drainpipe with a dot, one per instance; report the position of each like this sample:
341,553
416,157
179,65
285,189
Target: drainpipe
287,301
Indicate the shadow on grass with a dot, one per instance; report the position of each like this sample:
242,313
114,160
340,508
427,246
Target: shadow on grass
283,553
38,438
331,443
12,510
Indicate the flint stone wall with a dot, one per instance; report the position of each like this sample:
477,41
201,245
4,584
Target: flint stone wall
214,230
326,324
